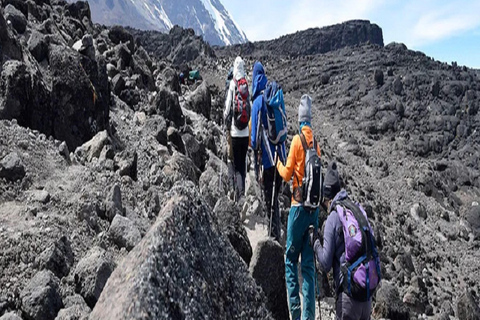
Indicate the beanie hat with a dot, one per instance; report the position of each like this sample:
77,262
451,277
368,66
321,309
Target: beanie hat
305,109
332,182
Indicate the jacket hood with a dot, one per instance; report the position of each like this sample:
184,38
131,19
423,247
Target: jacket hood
259,79
340,196
239,68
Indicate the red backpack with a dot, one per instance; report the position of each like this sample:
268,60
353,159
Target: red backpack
241,104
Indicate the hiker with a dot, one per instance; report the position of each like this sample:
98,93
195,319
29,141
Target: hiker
344,226
301,215
262,145
236,117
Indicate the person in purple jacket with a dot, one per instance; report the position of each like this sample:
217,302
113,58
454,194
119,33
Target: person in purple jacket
332,253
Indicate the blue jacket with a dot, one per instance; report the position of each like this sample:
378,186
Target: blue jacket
332,253
259,119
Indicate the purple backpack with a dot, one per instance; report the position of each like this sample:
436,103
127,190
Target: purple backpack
361,270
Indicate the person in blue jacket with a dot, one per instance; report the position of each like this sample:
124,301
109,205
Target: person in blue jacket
260,143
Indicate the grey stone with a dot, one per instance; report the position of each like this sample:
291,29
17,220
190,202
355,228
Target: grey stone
57,258
378,76
268,269
41,299
91,274
118,84
183,244
16,17
38,45
124,233
397,86
92,148
200,100
11,167
113,203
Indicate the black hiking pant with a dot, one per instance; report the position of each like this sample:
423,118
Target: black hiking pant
240,148
268,176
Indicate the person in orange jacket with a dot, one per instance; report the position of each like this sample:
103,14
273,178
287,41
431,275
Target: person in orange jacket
299,219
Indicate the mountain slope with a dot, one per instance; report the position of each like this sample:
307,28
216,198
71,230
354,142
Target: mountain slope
208,18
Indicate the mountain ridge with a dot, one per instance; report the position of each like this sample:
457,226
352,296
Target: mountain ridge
208,18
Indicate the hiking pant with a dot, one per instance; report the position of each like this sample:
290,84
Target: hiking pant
349,309
268,176
299,220
240,148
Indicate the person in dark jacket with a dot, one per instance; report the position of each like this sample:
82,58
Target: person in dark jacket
260,143
332,253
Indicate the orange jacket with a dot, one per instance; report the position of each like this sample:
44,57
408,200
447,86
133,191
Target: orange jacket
296,159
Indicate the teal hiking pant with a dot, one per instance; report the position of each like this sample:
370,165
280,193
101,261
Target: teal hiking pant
297,244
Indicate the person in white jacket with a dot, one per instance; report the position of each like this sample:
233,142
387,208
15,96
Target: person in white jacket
239,138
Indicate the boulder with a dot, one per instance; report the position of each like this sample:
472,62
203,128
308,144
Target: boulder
179,167
91,274
16,17
213,182
397,86
167,105
113,203
467,307
172,80
140,67
126,163
228,216
92,148
156,281
75,309
124,233
41,299
418,211
200,101
85,46
79,94
79,10
174,137
416,296
118,34
38,45
123,56
10,47
268,270
158,126
57,258
388,304
378,76
473,218
11,167
195,150
404,262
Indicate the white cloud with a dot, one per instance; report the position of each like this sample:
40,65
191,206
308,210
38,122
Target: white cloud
445,21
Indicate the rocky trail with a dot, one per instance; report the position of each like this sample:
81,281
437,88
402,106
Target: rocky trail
113,192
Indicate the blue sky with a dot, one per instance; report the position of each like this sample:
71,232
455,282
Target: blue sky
447,30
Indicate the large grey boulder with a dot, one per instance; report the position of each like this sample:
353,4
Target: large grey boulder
182,268
124,233
41,299
16,17
10,316
57,258
91,274
75,309
268,270
200,100
228,217
11,167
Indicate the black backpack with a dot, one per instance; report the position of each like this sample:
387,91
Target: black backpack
312,182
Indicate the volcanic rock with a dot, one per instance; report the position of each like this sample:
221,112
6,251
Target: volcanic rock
183,243
41,299
467,307
57,258
11,167
268,270
388,304
124,233
91,274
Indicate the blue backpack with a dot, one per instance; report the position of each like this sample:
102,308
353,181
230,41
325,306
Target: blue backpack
276,116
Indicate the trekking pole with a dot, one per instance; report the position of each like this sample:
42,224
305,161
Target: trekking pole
273,194
311,230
